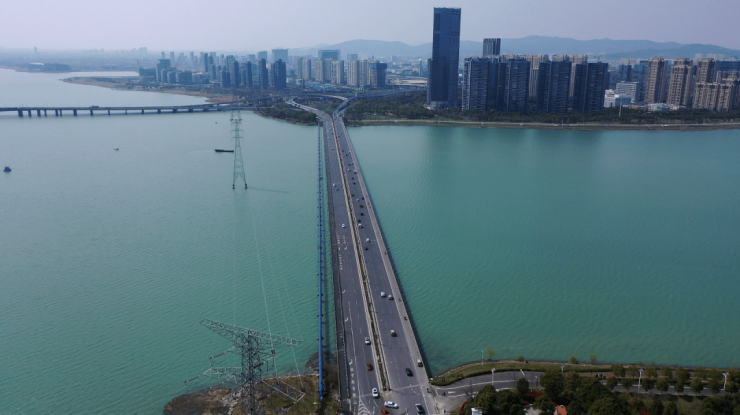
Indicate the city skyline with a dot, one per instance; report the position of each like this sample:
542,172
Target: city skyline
170,26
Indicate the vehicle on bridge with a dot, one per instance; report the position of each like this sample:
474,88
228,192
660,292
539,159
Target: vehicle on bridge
369,366
391,404
393,333
375,393
419,408
367,340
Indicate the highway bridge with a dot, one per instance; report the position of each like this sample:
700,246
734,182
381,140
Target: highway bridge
364,281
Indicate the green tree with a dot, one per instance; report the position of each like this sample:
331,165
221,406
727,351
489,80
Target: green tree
666,372
553,383
575,408
618,371
651,372
682,373
516,409
732,387
593,358
662,385
572,379
700,373
697,385
655,407
522,386
679,385
647,384
633,371
627,383
669,409
715,385
589,390
486,400
520,358
611,383
609,405
491,353
572,359
544,405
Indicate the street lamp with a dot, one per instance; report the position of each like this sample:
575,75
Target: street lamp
492,372
725,374
638,381
561,369
536,382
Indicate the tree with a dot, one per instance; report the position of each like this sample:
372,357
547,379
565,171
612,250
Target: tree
669,409
618,371
662,385
609,405
666,372
682,374
697,385
572,379
516,409
572,359
544,405
589,391
679,385
593,358
522,385
491,353
553,383
700,373
655,407
575,408
732,387
647,384
651,372
486,400
520,358
633,371
627,383
611,383
714,385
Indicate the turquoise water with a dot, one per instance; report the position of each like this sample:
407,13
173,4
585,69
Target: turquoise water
538,243
552,243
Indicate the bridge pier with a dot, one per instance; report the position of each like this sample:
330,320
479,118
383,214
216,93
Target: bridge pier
142,111
29,113
205,109
108,112
159,111
74,112
91,113
44,113
190,110
174,110
38,113
126,112
20,113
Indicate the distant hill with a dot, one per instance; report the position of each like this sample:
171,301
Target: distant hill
614,49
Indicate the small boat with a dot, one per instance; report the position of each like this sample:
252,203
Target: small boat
7,169
116,149
221,150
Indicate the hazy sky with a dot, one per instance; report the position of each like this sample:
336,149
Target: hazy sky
242,25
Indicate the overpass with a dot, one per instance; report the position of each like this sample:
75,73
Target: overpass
362,271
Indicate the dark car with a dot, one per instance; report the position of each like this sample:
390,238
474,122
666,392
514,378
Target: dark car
408,372
369,366
419,408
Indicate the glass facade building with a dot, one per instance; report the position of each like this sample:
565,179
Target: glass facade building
442,81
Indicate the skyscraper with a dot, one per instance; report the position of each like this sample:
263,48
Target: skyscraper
443,72
553,87
589,86
376,71
263,79
491,47
306,71
680,86
262,55
299,67
534,65
278,74
338,72
655,91
353,73
246,74
364,72
329,54
281,54
475,84
513,85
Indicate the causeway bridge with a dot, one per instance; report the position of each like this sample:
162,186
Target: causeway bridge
376,344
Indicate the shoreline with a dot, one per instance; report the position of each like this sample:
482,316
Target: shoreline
118,87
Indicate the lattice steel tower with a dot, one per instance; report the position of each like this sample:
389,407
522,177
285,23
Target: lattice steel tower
236,123
252,346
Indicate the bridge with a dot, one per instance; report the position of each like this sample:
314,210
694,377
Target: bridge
364,281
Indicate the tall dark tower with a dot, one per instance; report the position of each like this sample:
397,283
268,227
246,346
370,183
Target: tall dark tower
443,67
491,47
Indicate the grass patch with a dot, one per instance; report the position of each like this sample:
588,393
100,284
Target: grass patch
477,369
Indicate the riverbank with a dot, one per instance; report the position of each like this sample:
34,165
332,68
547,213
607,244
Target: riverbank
546,126
127,84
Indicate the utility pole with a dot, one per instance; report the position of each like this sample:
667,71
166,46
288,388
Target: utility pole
236,122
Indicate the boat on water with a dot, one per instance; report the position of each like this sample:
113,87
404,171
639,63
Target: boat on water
221,150
7,169
116,149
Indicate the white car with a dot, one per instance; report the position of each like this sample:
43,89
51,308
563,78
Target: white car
391,404
343,226
382,294
375,393
367,340
390,296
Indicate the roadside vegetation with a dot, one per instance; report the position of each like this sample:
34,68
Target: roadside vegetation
368,111
290,114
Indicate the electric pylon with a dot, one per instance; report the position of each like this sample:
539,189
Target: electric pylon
251,346
236,123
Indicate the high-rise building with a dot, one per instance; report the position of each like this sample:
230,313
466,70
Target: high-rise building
184,78
224,78
327,69
306,71
278,75
263,77
376,71
352,57
262,55
353,73
513,85
589,86
534,65
726,69
629,89
491,47
281,54
172,57
680,86
246,74
625,73
338,73
162,56
299,67
655,91
364,72
163,64
553,87
574,59
727,96
705,70
475,84
329,54
443,67
236,77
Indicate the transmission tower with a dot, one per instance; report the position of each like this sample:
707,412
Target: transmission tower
236,123
251,345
